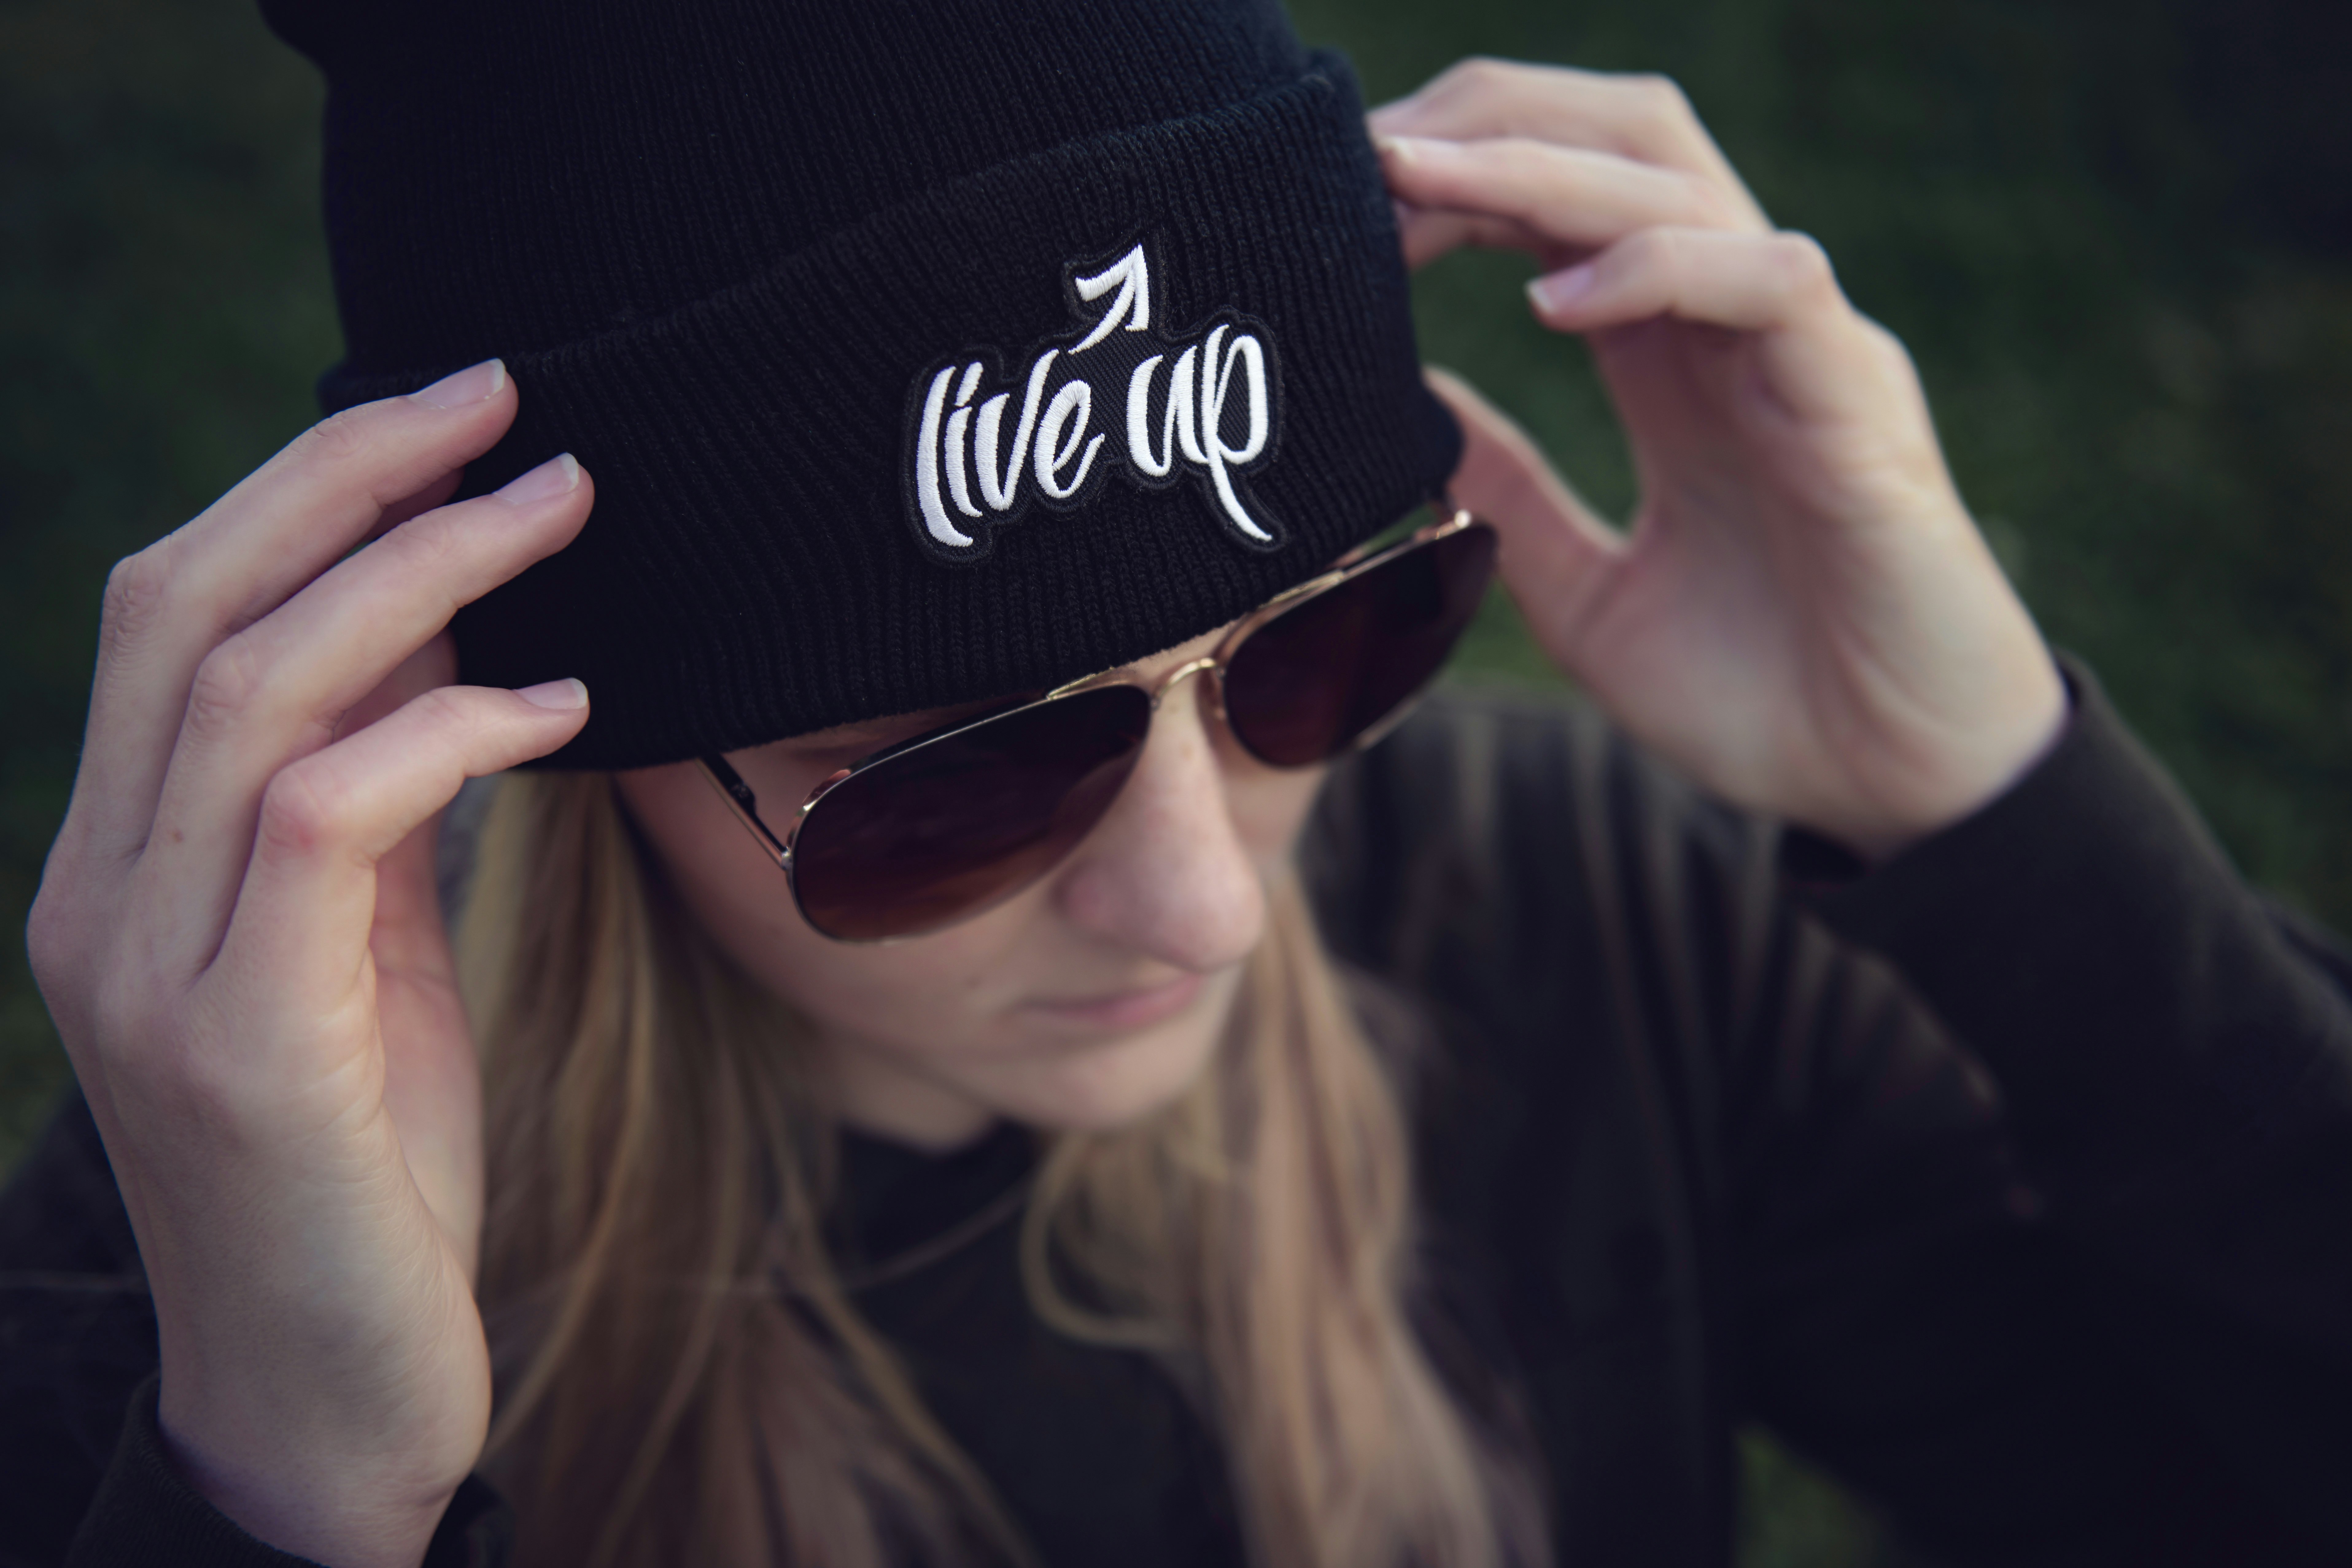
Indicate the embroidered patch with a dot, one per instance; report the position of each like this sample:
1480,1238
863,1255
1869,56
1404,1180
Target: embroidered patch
1116,395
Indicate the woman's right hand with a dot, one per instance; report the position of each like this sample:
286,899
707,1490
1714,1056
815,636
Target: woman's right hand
237,936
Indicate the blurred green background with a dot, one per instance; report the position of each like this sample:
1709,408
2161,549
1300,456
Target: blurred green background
2117,237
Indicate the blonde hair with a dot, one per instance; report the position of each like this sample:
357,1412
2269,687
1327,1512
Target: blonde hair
682,1377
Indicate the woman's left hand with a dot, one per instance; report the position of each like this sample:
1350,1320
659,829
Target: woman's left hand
1802,616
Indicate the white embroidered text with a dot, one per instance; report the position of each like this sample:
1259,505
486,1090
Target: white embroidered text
1121,396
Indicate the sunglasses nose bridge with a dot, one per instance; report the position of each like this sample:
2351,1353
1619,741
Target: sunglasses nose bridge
1177,676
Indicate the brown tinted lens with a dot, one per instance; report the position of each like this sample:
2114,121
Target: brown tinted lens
944,830
1305,685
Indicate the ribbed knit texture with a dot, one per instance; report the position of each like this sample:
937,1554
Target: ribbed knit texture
717,245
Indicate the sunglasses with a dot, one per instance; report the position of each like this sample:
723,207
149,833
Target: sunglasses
947,825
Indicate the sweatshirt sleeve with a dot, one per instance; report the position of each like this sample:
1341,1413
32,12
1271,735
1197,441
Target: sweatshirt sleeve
2174,1053
2012,1181
146,1516
2172,1060
84,1479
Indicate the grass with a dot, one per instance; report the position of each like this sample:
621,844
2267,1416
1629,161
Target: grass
2118,240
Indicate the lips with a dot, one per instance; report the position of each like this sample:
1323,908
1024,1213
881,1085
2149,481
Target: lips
1135,1008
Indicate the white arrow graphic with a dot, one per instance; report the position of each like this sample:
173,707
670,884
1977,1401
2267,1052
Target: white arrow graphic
1133,304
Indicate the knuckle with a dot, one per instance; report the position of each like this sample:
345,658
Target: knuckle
1660,101
1472,77
337,440
1651,250
445,716
226,685
1711,205
138,593
52,945
1482,71
94,997
303,813
1805,266
1892,352
427,544
452,708
1532,172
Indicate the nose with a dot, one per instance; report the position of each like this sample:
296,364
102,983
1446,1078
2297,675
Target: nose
1167,873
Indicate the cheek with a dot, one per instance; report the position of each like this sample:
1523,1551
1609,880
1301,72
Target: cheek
1269,805
952,986
936,986
961,985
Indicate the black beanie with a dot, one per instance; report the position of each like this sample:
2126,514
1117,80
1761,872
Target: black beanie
922,350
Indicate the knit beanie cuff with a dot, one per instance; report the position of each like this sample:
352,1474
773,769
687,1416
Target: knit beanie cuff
1035,422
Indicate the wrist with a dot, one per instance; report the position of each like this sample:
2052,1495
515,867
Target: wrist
301,1492
1986,771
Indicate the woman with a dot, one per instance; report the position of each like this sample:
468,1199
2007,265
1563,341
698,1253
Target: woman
991,1161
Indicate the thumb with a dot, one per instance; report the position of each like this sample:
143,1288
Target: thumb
407,901
1556,556
408,936
431,1085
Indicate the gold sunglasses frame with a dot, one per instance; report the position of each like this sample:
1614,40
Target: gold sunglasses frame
744,803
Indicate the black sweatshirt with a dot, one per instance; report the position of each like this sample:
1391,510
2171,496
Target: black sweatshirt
1700,1143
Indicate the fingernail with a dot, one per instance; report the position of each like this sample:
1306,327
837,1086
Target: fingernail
565,694
474,383
1410,149
1559,290
557,476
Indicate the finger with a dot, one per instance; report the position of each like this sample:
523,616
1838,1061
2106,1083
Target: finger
276,690
1556,555
167,607
1777,340
1569,198
1647,118
1749,283
432,1091
307,903
432,1078
1426,235
408,934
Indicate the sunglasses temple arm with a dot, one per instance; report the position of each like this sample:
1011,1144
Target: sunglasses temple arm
744,804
